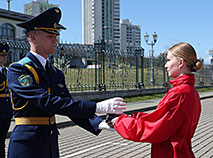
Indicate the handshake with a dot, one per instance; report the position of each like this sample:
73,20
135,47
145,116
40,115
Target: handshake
110,106
108,124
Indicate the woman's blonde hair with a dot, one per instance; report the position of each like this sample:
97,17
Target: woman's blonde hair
188,54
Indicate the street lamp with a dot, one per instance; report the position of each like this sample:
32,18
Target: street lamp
152,43
8,4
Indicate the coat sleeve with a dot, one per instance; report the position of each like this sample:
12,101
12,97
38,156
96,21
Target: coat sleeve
24,90
137,115
154,127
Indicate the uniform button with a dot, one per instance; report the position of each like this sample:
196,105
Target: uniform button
51,120
7,100
51,132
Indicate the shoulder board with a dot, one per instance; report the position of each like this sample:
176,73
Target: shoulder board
25,60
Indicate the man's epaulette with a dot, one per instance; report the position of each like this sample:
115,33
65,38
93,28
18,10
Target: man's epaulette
25,62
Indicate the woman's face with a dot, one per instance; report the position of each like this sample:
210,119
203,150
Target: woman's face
172,65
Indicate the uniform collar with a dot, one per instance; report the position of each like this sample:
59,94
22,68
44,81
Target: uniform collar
40,58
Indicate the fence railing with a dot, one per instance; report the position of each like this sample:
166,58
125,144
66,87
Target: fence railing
97,68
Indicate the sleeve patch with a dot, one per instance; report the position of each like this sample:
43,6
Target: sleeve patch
25,80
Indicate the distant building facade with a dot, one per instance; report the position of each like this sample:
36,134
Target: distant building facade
100,21
8,20
37,7
130,36
13,34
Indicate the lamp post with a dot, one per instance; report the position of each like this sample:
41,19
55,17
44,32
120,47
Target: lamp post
8,4
152,43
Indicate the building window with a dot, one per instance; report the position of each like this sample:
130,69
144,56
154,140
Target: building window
7,31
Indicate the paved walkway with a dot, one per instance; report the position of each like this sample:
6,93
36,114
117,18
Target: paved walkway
75,142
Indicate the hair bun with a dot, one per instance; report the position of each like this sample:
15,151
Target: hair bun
198,65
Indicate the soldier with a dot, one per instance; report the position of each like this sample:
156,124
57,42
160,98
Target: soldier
5,107
38,92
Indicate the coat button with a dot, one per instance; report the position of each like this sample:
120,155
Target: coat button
51,132
51,120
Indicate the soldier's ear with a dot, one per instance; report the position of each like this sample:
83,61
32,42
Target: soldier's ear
32,37
32,34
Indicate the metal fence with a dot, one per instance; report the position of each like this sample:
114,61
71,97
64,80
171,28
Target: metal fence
97,68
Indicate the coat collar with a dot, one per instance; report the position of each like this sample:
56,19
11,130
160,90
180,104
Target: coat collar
41,59
40,67
183,79
35,60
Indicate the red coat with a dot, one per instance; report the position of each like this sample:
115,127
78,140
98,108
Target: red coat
171,126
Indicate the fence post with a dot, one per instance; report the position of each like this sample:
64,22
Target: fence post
136,60
96,64
142,68
165,84
103,50
139,52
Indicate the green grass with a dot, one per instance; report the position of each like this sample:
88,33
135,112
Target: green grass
142,98
156,96
209,89
127,76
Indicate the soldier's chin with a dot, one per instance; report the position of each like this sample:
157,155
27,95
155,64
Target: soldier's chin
53,50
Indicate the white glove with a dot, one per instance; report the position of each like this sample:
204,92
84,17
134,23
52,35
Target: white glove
113,106
104,125
113,121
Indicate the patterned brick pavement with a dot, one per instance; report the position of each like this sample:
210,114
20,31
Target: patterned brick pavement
75,142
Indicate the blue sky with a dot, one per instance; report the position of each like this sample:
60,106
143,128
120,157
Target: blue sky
173,20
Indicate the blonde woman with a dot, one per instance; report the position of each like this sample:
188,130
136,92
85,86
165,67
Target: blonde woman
171,126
